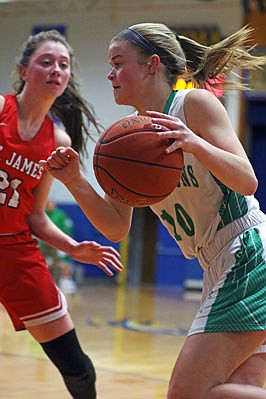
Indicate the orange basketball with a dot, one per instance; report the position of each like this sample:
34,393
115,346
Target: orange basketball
131,165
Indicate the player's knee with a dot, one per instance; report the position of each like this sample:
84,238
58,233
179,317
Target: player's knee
74,365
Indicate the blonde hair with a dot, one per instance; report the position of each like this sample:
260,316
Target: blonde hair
183,56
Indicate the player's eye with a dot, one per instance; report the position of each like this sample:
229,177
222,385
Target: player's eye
46,62
64,65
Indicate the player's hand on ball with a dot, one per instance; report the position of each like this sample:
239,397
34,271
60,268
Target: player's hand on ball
63,164
105,257
180,135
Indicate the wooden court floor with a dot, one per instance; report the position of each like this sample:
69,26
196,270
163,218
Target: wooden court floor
133,335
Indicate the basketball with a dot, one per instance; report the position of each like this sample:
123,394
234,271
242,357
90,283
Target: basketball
131,165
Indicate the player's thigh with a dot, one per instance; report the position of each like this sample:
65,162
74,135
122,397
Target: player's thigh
209,359
48,331
251,372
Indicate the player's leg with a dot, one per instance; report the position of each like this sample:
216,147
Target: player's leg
59,341
32,300
251,372
217,355
207,362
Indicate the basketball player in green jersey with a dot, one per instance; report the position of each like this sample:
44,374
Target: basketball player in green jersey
212,214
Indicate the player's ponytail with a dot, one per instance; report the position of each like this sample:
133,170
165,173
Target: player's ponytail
205,64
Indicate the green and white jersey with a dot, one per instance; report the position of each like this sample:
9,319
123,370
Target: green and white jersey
200,205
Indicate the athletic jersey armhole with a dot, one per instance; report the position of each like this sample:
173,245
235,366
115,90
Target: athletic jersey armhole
169,101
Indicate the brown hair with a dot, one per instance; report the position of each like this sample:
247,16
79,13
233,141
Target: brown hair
71,109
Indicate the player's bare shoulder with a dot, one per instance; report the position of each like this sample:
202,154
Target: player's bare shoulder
201,106
61,137
199,98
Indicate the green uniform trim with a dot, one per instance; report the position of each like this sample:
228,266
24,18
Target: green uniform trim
233,207
240,303
169,102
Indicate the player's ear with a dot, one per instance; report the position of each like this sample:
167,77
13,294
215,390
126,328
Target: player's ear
22,70
153,62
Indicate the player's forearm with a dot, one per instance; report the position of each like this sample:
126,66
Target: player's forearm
45,230
112,221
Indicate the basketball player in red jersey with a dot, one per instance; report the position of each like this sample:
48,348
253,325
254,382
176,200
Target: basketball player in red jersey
45,84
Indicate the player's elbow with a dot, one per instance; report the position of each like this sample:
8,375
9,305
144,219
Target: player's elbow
252,188
117,235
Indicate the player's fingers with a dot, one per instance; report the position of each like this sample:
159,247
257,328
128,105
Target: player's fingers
56,159
175,124
43,163
156,114
105,268
159,127
114,263
67,153
111,256
108,263
62,154
176,145
55,163
111,250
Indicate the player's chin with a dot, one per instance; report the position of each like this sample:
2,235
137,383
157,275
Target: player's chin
123,101
55,90
119,99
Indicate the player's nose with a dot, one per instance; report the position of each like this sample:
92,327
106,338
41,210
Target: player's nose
110,75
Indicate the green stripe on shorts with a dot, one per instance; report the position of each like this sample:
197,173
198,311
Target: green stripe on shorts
240,304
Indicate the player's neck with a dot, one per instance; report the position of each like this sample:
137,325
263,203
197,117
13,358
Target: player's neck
31,110
156,101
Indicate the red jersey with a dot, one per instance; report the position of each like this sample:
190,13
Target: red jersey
20,171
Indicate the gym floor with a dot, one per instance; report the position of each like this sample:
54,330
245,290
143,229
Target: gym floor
133,335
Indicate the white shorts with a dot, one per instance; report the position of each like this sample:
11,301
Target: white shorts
234,284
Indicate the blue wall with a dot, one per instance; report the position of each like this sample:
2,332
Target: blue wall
84,230
172,268
257,122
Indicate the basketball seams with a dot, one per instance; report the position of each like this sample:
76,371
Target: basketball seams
126,187
102,140
98,155
109,191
